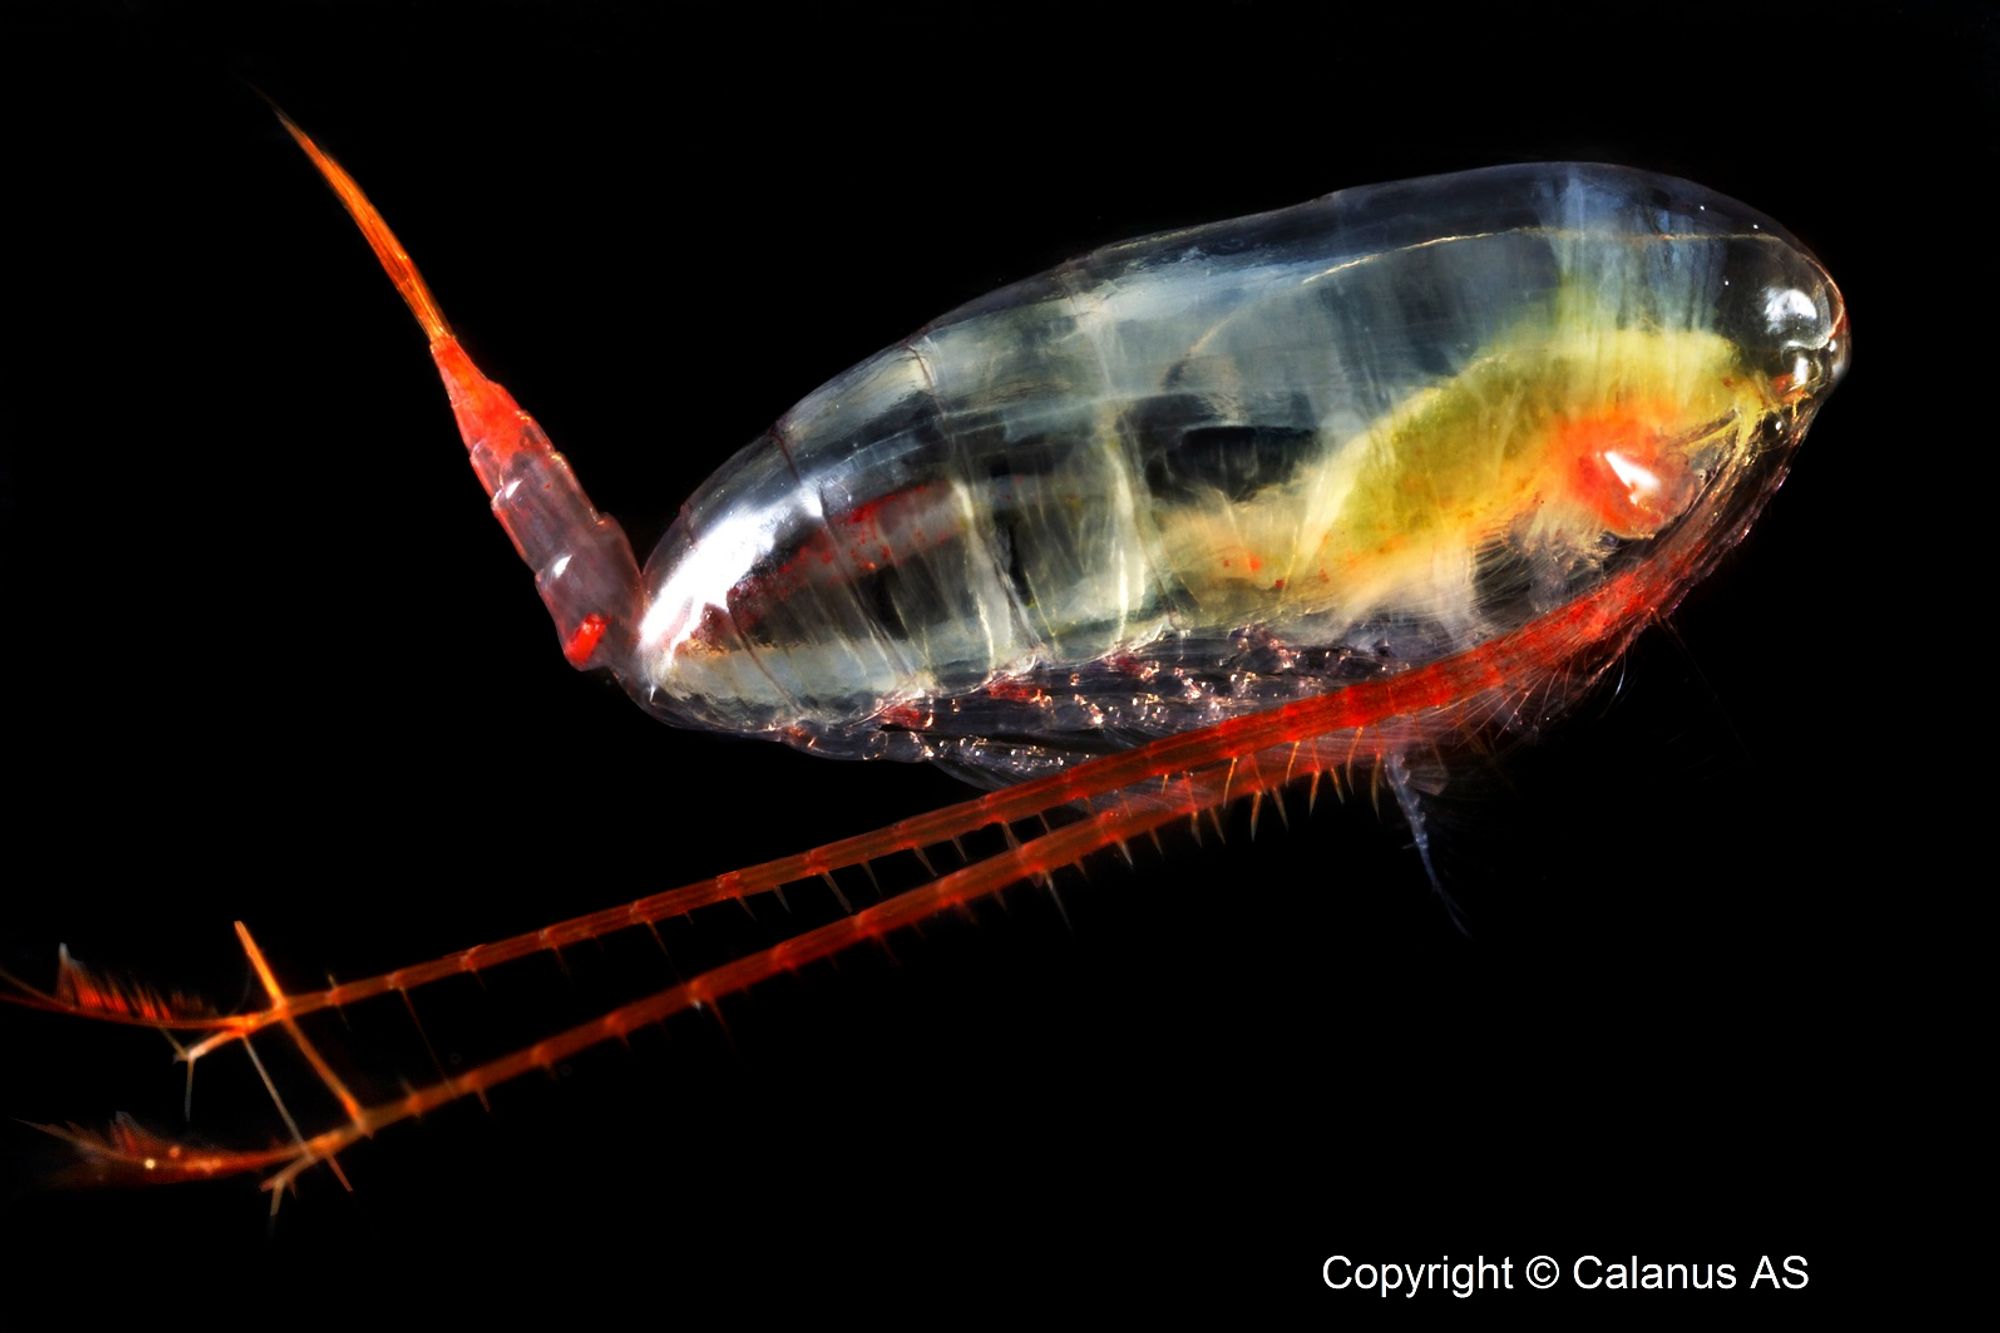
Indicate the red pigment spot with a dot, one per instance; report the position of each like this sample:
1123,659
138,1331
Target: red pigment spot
715,629
1128,665
585,640
907,716
876,534
1014,691
1631,505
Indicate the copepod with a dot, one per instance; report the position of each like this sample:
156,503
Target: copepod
1187,520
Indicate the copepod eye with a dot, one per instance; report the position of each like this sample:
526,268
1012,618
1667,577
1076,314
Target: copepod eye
1804,339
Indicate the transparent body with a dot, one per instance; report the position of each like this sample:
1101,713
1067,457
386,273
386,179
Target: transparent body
1190,475
1246,506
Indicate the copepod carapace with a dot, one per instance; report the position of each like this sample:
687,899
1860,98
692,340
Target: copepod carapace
1302,501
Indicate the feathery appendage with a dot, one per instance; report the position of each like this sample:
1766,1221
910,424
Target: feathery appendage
1112,800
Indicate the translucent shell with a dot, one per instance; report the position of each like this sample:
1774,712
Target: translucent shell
1195,474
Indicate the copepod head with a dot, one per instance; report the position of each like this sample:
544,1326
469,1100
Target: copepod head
1793,340
1685,346
1800,335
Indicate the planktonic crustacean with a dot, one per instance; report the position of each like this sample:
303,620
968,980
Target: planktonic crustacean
1185,520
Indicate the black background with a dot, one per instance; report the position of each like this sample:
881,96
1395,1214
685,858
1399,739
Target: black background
272,661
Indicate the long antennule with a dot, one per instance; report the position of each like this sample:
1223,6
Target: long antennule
584,568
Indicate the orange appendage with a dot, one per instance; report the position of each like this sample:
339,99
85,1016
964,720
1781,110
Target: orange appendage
1622,465
1111,800
84,991
395,260
487,415
127,1153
